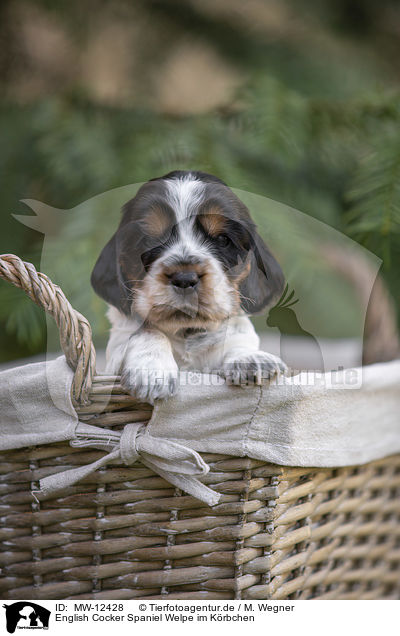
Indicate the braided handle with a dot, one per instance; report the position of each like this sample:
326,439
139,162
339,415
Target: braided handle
75,331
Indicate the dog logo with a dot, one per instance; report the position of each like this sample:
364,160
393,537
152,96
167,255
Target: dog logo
26,615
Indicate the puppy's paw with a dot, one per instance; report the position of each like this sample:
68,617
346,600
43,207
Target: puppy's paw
150,383
254,367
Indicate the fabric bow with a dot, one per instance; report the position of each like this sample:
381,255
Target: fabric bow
177,464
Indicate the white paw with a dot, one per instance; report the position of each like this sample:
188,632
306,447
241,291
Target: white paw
148,382
254,367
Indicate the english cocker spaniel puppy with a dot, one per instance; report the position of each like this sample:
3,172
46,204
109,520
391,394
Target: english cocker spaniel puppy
181,274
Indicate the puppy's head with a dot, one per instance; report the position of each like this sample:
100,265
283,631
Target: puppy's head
186,254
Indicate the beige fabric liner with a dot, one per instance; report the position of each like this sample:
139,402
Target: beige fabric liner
300,421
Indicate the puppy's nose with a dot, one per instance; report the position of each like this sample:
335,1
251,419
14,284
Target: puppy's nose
184,279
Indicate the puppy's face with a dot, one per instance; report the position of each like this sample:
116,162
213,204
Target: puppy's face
186,254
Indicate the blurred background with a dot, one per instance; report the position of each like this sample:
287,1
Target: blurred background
295,101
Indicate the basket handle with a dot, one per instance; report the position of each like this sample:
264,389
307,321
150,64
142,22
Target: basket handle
74,329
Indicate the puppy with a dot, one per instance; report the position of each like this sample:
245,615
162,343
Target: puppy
181,274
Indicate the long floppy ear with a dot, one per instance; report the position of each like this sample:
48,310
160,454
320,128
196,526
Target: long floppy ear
107,278
264,282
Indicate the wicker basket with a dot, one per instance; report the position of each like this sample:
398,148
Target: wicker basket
125,533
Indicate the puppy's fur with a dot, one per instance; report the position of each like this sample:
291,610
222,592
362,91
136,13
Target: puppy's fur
181,274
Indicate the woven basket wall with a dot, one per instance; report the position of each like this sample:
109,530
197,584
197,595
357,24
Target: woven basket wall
125,533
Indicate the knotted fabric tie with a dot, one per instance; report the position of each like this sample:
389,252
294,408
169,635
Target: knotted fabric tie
177,464
127,444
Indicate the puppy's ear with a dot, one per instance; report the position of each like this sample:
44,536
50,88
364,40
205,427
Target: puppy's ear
107,280
264,282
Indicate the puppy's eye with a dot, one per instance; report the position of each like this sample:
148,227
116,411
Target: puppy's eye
150,255
223,240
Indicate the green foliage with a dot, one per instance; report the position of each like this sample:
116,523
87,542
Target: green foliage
374,217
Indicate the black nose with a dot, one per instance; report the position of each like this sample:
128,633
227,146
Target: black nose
184,279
